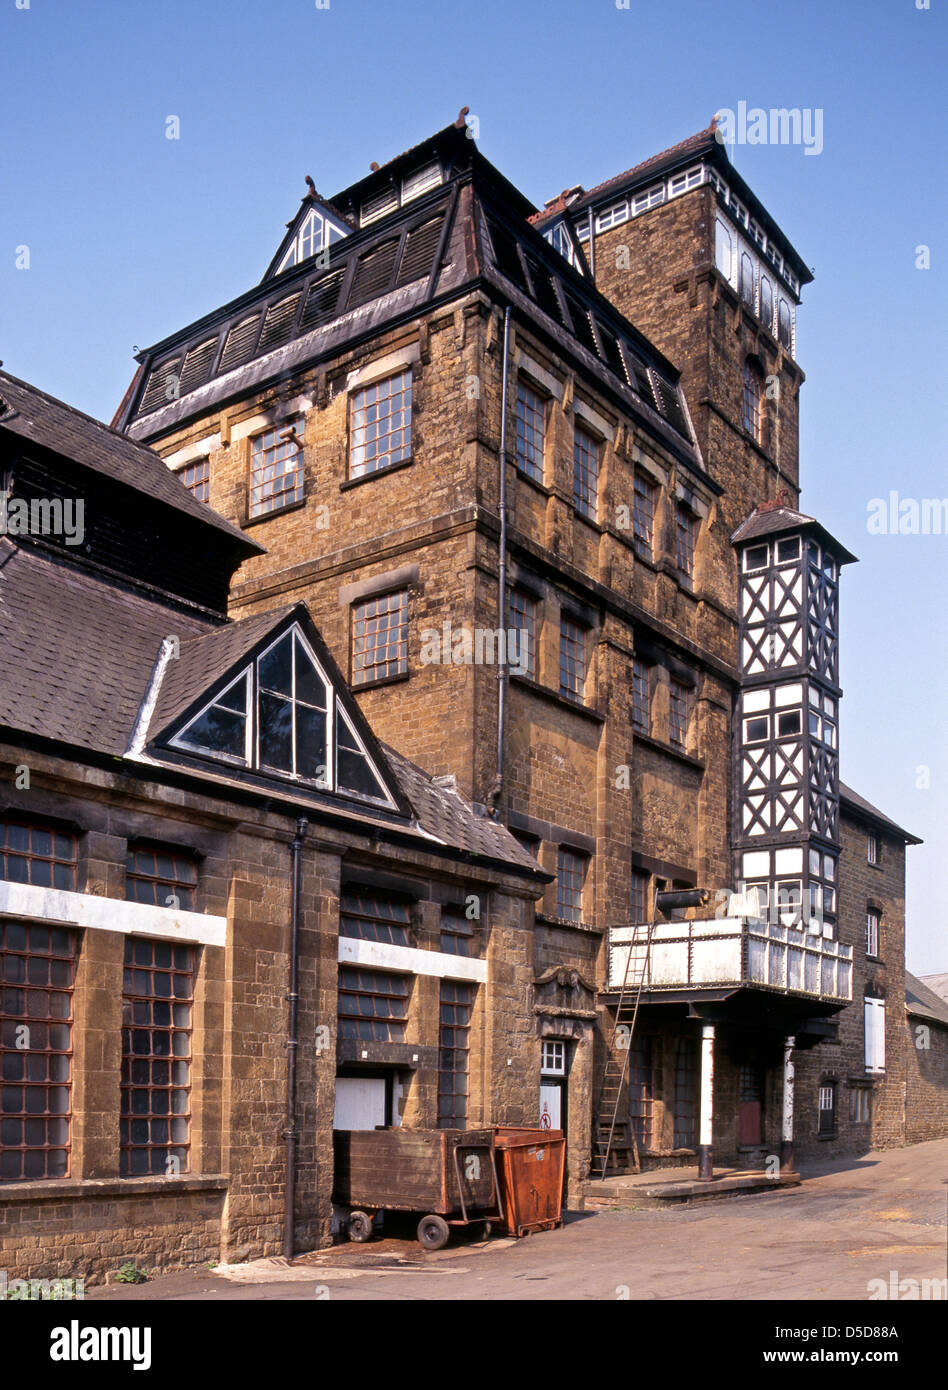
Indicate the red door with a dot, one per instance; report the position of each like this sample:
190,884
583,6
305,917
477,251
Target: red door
749,1107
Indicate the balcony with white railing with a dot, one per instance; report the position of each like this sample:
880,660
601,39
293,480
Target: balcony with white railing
742,952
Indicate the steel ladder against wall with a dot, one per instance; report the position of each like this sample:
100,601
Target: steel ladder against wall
610,1134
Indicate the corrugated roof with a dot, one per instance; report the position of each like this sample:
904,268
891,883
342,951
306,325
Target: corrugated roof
74,436
866,808
922,1002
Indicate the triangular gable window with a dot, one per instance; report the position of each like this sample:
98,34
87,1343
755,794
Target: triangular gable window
316,233
560,236
281,715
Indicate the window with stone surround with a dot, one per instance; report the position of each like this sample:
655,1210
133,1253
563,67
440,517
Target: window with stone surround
586,455
380,425
160,876
276,467
531,431
638,908
872,848
457,931
380,638
373,1004
157,995
197,478
751,413
826,1124
37,854
571,869
454,1044
372,916
641,697
644,493
37,974
642,1088
861,1105
573,639
522,619
686,535
677,713
872,933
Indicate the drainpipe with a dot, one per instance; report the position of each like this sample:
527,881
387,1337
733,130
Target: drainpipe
290,1133
591,243
502,673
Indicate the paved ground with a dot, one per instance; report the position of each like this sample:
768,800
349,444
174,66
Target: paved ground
850,1222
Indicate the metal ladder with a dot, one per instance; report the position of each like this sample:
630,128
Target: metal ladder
607,1145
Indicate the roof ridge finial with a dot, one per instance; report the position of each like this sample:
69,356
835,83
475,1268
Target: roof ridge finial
461,122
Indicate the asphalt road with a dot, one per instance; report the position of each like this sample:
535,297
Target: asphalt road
849,1223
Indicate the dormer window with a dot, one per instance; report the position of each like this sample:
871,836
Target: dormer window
561,240
316,233
280,715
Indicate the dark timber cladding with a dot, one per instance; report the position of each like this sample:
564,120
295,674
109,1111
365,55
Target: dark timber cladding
469,231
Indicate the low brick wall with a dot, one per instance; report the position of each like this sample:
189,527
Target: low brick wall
85,1229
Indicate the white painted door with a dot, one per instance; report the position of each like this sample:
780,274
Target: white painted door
360,1102
550,1106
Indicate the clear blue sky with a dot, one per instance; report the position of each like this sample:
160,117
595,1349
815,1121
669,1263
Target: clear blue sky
132,235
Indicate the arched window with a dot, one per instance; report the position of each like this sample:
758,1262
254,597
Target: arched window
785,326
752,414
747,279
766,304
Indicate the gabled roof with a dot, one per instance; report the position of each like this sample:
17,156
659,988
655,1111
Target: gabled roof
922,1002
938,983
865,809
774,518
311,202
43,420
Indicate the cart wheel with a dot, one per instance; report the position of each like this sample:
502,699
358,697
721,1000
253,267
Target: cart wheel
433,1232
488,1227
359,1226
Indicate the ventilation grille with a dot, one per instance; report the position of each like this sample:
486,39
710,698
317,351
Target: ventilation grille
278,323
418,255
611,351
669,403
197,365
163,385
320,304
507,256
373,274
581,324
239,343
544,291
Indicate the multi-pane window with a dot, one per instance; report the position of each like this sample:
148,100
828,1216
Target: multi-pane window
751,417
643,512
638,906
380,638
827,1108
160,877
37,855
872,933
276,468
573,639
292,705
570,875
586,451
373,1005
531,431
454,1043
686,1090
522,619
641,1090
641,697
457,932
197,478
686,533
872,849
380,425
677,713
37,972
157,994
374,916
553,1057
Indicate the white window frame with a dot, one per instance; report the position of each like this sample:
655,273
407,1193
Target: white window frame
872,848
552,1057
873,923
874,1028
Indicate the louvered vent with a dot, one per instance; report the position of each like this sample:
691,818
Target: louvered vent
163,386
278,323
640,378
544,291
239,344
580,324
611,351
320,305
506,255
418,255
373,274
669,403
197,365
380,206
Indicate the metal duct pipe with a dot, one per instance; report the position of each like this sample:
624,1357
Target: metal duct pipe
290,1133
667,901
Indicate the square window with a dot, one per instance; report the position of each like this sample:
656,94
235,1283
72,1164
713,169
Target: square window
276,468
757,729
531,431
380,425
756,557
380,638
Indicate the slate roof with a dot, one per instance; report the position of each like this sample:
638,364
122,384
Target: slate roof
77,653
771,519
41,419
922,1002
938,983
866,808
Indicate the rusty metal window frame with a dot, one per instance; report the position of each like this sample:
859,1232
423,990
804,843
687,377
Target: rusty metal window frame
685,1113
197,478
380,424
587,454
752,415
372,1004
153,873
457,931
573,644
531,413
522,617
641,696
372,916
276,467
456,1004
644,493
677,713
380,638
157,1023
38,854
686,535
571,870
38,975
